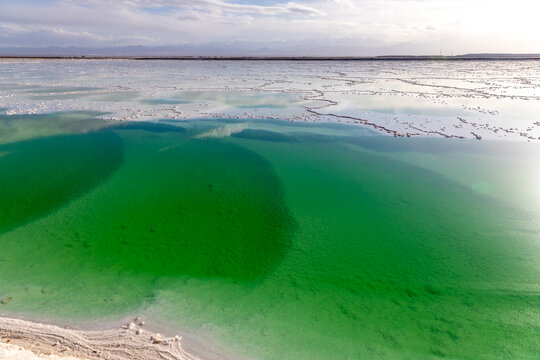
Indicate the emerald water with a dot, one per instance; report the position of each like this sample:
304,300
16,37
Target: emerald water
274,239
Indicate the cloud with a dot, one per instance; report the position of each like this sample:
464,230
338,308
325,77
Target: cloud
379,24
14,35
302,9
212,6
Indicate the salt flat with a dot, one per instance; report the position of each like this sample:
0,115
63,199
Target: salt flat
463,99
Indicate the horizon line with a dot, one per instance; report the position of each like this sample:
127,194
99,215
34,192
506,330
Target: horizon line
479,56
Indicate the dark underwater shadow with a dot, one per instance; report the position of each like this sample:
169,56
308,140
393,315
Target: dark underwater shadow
203,208
41,175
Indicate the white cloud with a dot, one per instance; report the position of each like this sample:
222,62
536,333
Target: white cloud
31,36
302,9
204,5
460,25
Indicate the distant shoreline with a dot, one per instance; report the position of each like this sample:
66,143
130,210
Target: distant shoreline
471,57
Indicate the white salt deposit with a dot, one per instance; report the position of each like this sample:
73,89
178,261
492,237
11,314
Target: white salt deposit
14,352
469,99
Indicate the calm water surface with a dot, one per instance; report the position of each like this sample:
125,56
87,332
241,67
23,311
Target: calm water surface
275,239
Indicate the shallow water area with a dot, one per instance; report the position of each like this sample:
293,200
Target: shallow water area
274,239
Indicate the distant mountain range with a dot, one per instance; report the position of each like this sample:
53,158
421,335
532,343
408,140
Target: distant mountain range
500,56
239,50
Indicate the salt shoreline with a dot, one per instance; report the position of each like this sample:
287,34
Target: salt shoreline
402,99
130,341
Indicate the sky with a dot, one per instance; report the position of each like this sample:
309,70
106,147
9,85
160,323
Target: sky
276,27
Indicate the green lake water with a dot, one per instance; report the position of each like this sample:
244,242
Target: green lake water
280,241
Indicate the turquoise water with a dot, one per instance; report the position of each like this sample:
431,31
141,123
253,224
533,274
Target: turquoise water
274,239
